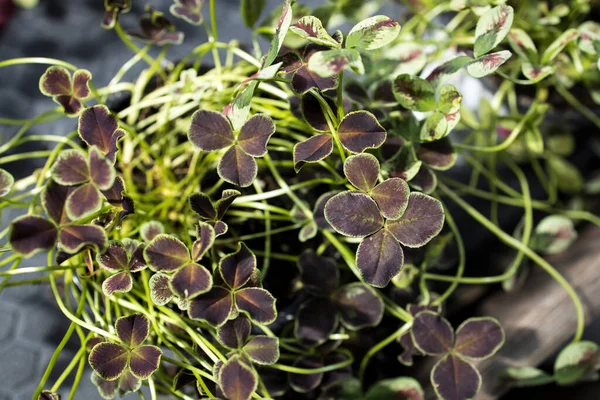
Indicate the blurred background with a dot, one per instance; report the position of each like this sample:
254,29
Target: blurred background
30,324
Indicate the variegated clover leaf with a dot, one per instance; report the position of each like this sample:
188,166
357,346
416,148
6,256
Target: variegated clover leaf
110,360
385,215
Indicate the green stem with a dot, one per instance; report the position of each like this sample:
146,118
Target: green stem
379,346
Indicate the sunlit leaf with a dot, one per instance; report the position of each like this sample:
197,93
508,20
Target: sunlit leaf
402,388
75,237
362,170
315,321
379,258
553,234
149,230
373,33
210,131
97,127
213,307
263,350
488,64
235,332
527,376
319,275
303,383
311,29
558,45
450,99
71,168
331,62
576,362
522,44
410,58
534,73
353,214
160,291
191,281
479,338
237,380
360,130
432,333
448,68
108,360
313,149
421,222
188,10
144,360
491,29
237,167
133,329
237,268
166,253
414,93
6,182
455,379
359,306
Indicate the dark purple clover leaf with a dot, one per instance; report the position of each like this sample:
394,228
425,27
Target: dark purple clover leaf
237,167
313,114
30,234
237,268
112,10
71,168
303,383
73,238
312,150
235,332
120,282
308,231
414,93
157,29
319,210
236,379
166,253
6,182
98,127
373,33
220,228
149,230
117,197
402,388
577,362
144,360
362,170
304,79
392,197
479,338
311,29
315,321
200,203
56,83
214,307
206,238
408,350
102,172
262,350
353,214
126,383
189,10
424,181
319,275
48,395
432,334
109,360
227,198
191,281
257,303
210,131
421,222
84,201
160,291
255,134
439,154
359,131
379,258
133,330
455,379
359,306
